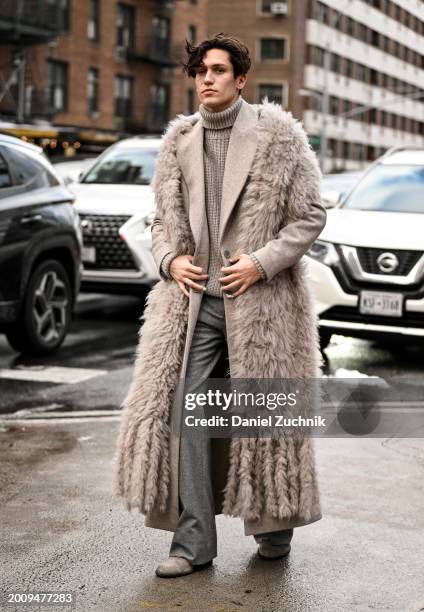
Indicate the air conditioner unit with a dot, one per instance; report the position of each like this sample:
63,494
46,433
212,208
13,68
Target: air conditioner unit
279,8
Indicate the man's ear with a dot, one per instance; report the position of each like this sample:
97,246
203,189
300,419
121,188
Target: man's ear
241,81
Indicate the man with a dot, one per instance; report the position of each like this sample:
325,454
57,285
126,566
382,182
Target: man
238,205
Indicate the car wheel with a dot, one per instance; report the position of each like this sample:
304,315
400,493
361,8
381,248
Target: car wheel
46,312
324,338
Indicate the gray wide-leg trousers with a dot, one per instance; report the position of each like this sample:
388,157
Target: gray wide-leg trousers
195,536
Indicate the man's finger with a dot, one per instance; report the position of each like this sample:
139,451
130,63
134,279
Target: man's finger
227,269
191,268
233,285
195,276
191,283
240,291
228,278
183,288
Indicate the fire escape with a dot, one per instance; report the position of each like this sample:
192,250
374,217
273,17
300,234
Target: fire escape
23,24
155,48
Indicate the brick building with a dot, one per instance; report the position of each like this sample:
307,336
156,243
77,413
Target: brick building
103,66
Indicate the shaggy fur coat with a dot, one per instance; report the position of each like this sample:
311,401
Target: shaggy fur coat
270,197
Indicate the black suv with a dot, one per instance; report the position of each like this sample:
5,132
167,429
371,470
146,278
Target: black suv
40,250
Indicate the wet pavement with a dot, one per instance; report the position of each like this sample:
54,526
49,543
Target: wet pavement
63,529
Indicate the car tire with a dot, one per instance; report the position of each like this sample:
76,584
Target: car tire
46,311
324,338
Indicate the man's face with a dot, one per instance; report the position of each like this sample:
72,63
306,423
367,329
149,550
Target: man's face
216,86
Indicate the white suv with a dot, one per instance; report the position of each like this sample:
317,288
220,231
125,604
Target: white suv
116,206
367,267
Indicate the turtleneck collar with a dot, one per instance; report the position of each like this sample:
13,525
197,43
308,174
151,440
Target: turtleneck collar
222,119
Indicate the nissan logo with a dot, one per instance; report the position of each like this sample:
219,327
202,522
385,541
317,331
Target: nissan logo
387,262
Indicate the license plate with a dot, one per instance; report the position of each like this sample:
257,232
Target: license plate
381,303
88,254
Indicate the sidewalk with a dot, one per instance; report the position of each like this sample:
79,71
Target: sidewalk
62,529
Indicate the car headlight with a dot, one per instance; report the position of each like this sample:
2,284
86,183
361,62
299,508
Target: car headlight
148,219
324,252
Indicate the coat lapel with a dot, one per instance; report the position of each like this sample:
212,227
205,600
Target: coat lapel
190,159
240,154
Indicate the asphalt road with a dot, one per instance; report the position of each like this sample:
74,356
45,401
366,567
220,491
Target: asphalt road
92,370
63,529
95,361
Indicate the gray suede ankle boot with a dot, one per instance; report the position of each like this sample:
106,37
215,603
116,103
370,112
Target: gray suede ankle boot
174,567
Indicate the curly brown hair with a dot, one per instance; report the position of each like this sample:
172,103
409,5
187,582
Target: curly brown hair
239,53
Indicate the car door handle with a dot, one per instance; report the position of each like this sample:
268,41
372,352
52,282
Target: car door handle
31,218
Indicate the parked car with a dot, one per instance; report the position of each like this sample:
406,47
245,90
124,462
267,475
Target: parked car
40,250
72,170
116,205
335,187
367,267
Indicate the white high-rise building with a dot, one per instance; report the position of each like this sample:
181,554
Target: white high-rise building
375,61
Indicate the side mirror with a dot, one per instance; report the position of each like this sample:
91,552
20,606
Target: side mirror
80,175
331,198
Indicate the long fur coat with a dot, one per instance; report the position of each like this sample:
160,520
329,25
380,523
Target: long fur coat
272,326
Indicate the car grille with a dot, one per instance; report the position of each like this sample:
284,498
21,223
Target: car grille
368,260
102,232
352,314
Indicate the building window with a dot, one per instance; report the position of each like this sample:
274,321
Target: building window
125,26
190,101
57,85
335,62
192,34
272,48
384,121
360,72
318,56
93,90
385,43
346,150
123,96
333,105
350,26
321,12
347,105
58,13
160,105
161,36
362,32
273,92
64,15
93,21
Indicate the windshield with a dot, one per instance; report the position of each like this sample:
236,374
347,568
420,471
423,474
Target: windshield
342,183
390,188
124,167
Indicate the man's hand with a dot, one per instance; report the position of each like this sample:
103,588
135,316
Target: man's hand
241,274
184,273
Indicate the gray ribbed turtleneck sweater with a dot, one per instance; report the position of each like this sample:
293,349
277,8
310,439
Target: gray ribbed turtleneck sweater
217,132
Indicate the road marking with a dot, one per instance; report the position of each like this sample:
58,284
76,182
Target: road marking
5,423
44,413
53,374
